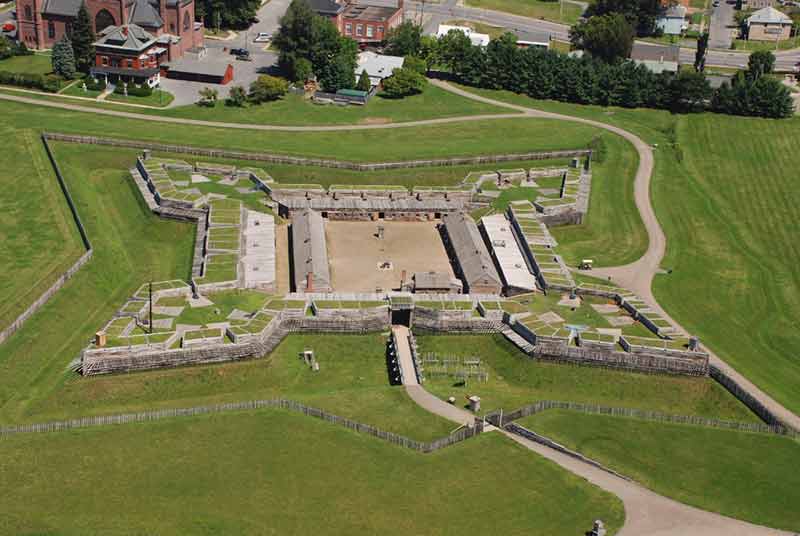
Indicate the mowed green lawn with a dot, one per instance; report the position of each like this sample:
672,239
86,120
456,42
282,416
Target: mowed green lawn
743,475
724,192
274,472
352,382
515,380
131,246
39,240
537,9
733,246
478,137
33,64
296,110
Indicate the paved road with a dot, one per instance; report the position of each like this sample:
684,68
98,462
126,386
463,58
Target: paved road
449,11
638,276
719,31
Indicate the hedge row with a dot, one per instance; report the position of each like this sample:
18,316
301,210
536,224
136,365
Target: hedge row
49,83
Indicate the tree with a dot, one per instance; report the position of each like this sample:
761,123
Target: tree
688,92
640,14
453,48
403,82
208,97
236,97
761,62
607,37
762,97
83,39
700,54
335,60
63,59
295,37
415,64
267,88
305,38
405,39
232,14
6,48
364,83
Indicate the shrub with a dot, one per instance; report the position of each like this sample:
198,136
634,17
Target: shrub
133,90
415,64
99,85
403,82
237,97
208,97
47,83
267,88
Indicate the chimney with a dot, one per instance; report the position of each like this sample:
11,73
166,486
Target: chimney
402,276
162,10
310,282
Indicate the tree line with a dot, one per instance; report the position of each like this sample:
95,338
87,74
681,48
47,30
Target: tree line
546,74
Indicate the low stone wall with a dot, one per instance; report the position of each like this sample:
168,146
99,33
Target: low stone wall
317,162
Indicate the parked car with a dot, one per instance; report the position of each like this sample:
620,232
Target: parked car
244,56
238,51
9,29
262,37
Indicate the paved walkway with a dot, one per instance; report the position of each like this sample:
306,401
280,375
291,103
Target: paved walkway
404,357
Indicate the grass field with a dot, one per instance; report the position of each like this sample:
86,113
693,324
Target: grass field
275,472
743,475
726,203
38,237
515,380
536,9
131,246
352,382
158,98
295,110
468,138
33,64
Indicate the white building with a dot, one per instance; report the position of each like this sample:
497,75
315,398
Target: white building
378,66
517,278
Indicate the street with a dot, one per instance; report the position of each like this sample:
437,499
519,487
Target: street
720,31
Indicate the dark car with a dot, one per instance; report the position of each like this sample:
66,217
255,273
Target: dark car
239,52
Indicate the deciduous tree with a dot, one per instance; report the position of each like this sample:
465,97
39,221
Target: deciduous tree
607,37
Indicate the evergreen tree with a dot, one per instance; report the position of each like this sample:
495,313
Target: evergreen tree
607,37
83,39
363,81
759,63
700,54
63,59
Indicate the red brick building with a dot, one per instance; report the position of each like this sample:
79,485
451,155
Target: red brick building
130,54
43,22
362,22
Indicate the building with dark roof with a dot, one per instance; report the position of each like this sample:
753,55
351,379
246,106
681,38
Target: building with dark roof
657,58
44,22
128,53
471,259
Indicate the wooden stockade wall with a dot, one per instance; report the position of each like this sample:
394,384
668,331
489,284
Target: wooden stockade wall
71,271
749,400
318,162
147,416
500,420
546,441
